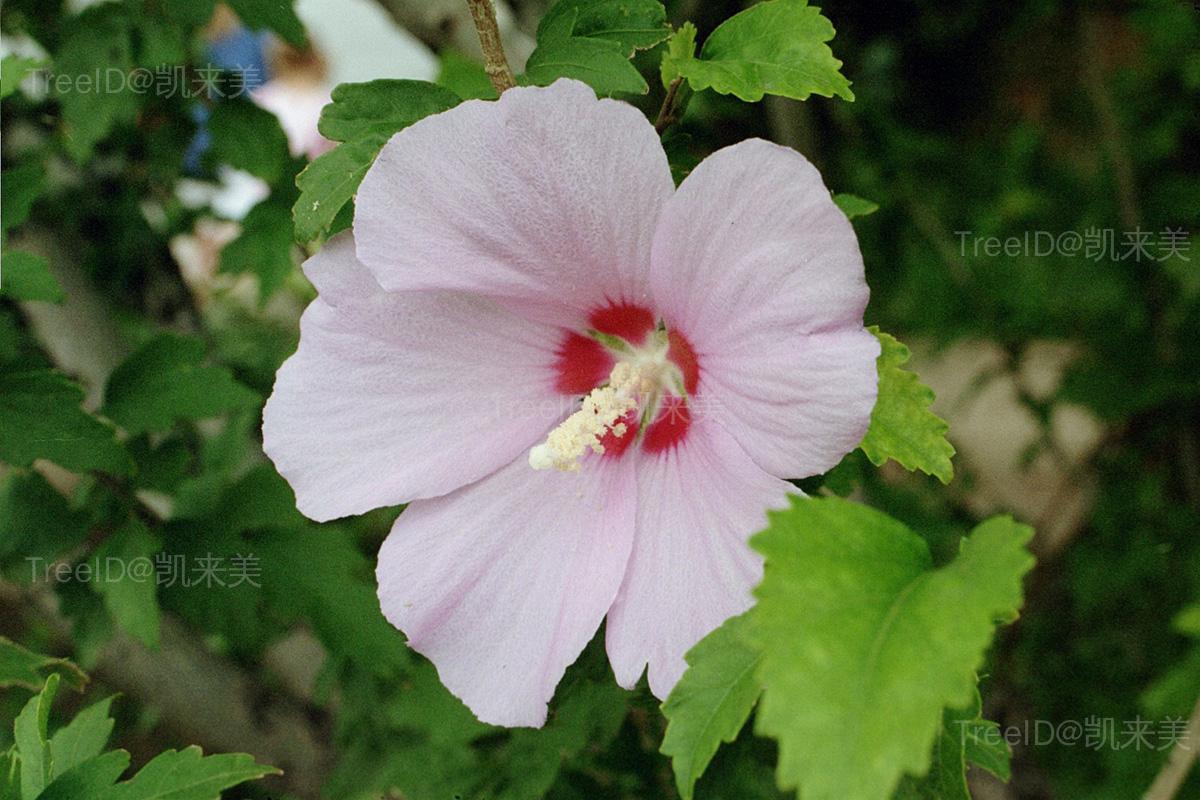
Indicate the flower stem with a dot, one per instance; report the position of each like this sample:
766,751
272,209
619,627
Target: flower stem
484,14
667,113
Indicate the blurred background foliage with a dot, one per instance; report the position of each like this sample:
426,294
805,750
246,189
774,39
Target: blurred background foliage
1071,383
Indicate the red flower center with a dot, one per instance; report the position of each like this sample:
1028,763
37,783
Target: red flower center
584,362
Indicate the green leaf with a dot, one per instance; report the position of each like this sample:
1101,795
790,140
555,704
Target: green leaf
1187,621
188,775
25,668
588,716
1174,693
947,776
249,138
363,116
854,206
328,183
865,643
377,109
264,248
123,574
274,15
631,24
89,80
82,739
13,69
775,47
160,43
320,576
711,702
965,738
29,734
26,276
600,63
985,747
39,527
165,381
40,417
22,185
89,779
465,77
10,775
681,48
192,14
902,426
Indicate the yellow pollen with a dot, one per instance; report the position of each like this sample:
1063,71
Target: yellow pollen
601,410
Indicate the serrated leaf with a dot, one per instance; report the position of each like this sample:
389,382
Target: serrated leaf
711,702
13,69
82,739
25,668
165,380
632,24
188,775
328,183
275,15
380,108
124,576
864,643
600,63
902,426
264,248
681,48
363,116
29,735
250,138
775,47
854,206
40,417
89,779
25,276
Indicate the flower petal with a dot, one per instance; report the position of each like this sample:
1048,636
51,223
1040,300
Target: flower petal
797,404
547,197
691,568
754,263
397,396
503,583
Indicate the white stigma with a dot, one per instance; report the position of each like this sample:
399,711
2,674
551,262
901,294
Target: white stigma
601,411
639,379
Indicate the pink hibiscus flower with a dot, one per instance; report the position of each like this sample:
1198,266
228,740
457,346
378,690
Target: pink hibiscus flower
509,258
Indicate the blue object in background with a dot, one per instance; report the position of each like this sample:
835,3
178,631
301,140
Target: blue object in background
241,51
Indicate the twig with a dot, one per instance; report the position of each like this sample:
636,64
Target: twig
494,61
440,24
1169,780
667,113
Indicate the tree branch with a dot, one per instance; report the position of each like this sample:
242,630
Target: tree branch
667,113
494,60
441,24
1169,780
